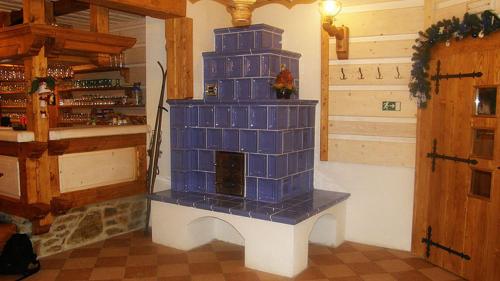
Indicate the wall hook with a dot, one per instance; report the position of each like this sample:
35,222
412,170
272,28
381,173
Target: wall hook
343,74
361,77
399,74
379,74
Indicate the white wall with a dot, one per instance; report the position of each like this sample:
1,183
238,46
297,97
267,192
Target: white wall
380,209
206,15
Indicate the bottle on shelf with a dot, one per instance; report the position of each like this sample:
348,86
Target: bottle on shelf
137,93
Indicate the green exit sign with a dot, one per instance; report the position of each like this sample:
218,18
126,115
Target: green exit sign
391,106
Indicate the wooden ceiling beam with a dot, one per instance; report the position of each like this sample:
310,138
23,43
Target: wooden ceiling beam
59,8
158,9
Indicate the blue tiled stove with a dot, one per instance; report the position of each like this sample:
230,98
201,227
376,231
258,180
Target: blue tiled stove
242,114
241,137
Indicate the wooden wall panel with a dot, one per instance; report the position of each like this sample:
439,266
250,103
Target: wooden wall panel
369,103
385,129
372,152
377,49
378,70
383,22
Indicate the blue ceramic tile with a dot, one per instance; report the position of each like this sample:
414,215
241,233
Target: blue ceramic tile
262,213
293,117
277,117
308,138
310,116
288,142
178,116
265,64
214,68
310,184
183,140
229,43
257,165
296,183
285,62
198,138
214,138
245,40
310,159
197,182
263,40
274,65
277,166
251,66
206,116
224,206
302,160
234,67
243,89
179,181
190,199
292,163
173,138
193,160
230,140
298,139
289,217
176,157
211,182
294,68
270,142
248,141
268,190
277,41
258,117
303,116
218,43
261,88
192,116
251,188
222,116
286,186
226,90
206,160
239,117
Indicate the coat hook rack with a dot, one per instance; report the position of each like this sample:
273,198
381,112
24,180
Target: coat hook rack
379,76
361,77
343,74
399,74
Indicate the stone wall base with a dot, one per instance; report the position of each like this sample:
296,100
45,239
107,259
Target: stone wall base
86,225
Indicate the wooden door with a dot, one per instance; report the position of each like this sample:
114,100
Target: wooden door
459,200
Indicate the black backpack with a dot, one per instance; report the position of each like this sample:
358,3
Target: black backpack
18,257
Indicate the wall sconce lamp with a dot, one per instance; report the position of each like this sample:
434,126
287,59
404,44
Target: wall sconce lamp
329,9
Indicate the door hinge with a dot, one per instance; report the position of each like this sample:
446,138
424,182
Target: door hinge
428,243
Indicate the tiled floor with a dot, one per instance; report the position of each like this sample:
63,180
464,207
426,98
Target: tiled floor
134,257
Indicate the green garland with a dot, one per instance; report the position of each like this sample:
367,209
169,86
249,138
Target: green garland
35,84
443,31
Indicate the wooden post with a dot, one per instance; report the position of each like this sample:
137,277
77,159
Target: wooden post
38,174
99,22
179,37
323,141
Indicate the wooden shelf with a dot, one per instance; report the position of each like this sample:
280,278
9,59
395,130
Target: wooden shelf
102,106
94,89
27,39
12,107
13,93
90,68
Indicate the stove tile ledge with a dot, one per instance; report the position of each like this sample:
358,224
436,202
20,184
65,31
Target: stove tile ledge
291,211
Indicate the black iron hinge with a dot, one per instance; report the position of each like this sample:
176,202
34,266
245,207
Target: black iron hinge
434,155
440,76
428,243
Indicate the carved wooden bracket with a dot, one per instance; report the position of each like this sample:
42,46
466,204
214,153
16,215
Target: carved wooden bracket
33,150
20,41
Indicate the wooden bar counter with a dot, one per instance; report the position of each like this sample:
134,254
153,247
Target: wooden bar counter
86,165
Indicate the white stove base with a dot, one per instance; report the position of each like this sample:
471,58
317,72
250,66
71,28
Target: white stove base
271,247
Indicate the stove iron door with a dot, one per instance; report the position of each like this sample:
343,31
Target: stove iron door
230,173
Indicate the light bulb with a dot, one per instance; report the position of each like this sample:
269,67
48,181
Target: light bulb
331,7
